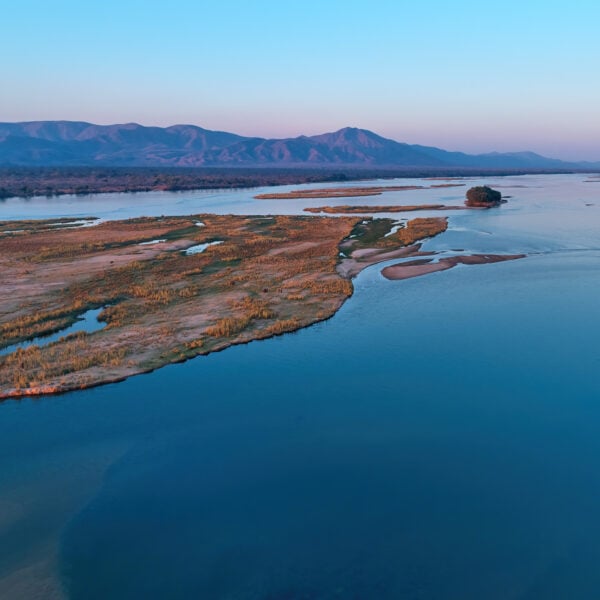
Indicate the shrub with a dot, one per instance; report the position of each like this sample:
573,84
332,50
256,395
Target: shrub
483,196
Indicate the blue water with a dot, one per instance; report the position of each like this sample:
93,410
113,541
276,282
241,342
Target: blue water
87,321
437,438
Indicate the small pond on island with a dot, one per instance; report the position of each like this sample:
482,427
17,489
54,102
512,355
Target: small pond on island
87,321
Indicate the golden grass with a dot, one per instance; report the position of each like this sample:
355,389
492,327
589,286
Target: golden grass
421,228
270,275
341,192
36,366
348,192
161,304
381,208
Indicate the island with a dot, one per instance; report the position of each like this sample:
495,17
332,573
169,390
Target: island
348,192
378,208
171,288
423,266
483,196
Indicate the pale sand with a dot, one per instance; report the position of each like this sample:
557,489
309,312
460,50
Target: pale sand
416,268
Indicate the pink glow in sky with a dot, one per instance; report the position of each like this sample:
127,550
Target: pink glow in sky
462,76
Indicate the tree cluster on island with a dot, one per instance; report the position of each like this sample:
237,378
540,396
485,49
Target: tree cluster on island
483,196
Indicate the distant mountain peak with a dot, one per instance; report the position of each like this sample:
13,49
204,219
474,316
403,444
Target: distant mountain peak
68,143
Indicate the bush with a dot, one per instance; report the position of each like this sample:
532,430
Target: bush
483,196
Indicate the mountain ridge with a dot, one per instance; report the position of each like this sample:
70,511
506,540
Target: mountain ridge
79,143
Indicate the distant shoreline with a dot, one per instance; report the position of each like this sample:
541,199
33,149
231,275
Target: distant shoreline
28,182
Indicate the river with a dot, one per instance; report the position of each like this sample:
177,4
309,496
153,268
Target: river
439,437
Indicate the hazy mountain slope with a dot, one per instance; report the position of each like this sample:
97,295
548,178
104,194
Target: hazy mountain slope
70,143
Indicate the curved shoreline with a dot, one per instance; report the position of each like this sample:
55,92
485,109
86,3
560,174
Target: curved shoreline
166,307
271,275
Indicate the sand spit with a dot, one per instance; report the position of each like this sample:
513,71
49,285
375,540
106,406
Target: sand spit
415,268
349,192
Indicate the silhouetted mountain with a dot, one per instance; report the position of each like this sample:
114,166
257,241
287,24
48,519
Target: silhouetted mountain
72,143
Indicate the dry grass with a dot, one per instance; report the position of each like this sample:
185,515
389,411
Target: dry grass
372,241
342,192
271,275
161,305
40,323
382,208
421,228
35,366
348,192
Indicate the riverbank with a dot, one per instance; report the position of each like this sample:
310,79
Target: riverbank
172,288
28,182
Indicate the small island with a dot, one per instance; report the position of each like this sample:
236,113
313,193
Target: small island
337,192
363,209
348,192
483,196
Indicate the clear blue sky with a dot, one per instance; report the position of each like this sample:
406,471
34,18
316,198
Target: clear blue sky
465,75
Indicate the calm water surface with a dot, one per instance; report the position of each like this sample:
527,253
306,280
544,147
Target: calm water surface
87,321
438,438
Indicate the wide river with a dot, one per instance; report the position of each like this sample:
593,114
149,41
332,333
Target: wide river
438,438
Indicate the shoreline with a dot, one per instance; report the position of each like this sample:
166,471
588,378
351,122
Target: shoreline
301,274
417,268
31,182
380,208
164,306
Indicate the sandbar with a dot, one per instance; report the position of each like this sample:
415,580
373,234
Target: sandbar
415,268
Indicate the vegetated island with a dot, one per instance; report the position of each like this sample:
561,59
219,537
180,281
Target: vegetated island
171,288
366,209
476,197
483,196
349,192
374,242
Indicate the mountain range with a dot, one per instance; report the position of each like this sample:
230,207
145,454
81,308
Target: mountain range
75,143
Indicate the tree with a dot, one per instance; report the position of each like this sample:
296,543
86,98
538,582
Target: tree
483,196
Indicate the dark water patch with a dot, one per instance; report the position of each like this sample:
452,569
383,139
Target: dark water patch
438,448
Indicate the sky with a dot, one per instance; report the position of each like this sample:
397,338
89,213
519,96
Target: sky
462,75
